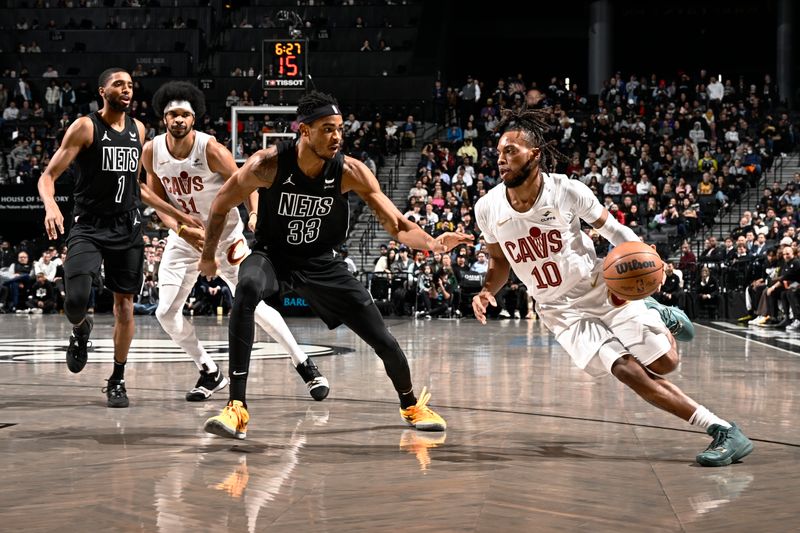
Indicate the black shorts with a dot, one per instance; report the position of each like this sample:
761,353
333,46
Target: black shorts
116,242
325,283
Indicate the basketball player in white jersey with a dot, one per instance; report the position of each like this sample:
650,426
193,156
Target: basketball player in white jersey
187,168
532,223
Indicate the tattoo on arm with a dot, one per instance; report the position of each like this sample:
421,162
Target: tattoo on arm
216,223
265,166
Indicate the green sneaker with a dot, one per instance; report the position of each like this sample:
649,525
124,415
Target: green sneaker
676,320
729,445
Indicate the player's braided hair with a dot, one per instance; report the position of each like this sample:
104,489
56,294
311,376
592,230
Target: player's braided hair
179,90
314,100
532,123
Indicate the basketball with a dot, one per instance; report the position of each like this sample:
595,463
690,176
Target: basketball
633,271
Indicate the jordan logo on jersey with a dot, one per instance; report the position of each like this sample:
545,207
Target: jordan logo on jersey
536,245
106,137
120,158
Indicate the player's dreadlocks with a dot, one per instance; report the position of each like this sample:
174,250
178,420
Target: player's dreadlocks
179,90
532,123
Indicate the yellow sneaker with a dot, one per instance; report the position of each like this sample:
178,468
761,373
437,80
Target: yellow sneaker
230,423
418,444
421,416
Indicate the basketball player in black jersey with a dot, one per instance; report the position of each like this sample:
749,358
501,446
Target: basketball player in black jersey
303,215
107,223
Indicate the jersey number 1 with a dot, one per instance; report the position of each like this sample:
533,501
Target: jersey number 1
120,189
548,276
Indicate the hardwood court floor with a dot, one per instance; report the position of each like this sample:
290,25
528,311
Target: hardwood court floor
533,444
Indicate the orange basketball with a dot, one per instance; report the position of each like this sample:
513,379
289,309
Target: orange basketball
633,271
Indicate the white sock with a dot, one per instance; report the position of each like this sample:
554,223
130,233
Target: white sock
205,362
272,322
704,418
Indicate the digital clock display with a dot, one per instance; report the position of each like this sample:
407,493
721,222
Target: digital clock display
284,64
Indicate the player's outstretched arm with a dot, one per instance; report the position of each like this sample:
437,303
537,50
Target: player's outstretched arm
79,135
359,179
496,277
258,171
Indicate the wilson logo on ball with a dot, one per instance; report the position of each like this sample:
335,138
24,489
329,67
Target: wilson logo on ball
632,265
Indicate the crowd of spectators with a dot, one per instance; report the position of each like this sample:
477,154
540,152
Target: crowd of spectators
112,22
756,254
663,156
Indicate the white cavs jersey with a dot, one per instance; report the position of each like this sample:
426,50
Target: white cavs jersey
545,245
190,185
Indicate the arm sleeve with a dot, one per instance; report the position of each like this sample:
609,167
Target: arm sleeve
616,233
588,208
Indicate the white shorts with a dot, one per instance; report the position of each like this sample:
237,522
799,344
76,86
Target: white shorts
179,261
584,319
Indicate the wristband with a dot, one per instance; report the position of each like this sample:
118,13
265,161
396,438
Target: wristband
180,229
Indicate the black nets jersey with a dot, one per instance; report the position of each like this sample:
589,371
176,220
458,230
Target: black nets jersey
301,216
107,183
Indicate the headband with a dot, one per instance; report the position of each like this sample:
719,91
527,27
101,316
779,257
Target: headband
179,104
324,111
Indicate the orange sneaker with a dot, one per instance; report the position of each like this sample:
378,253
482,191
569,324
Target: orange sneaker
423,417
230,423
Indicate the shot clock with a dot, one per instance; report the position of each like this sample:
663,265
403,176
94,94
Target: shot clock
284,63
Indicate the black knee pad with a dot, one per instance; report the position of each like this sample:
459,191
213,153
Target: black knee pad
77,288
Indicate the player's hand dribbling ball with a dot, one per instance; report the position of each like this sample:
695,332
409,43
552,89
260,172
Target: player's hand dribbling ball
633,270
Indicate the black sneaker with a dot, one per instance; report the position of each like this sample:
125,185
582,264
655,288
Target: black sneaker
77,352
116,393
729,445
316,382
208,384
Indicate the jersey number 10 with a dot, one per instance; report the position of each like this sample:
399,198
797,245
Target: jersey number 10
547,276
